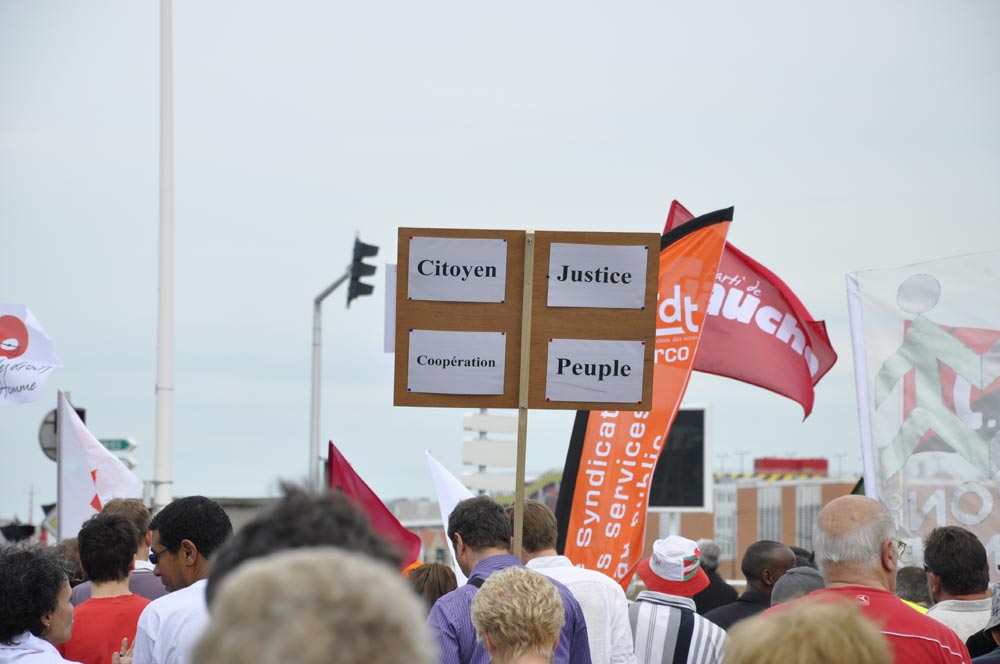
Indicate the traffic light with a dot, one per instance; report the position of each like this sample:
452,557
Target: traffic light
360,269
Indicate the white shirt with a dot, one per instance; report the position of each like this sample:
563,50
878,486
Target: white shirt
30,649
170,626
964,616
604,606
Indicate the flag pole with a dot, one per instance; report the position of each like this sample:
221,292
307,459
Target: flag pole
59,472
163,469
522,399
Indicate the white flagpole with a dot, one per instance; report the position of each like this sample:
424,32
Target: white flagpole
163,470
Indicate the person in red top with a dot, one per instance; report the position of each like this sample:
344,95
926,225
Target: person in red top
101,624
858,554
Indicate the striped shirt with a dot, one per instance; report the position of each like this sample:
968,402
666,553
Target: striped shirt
668,631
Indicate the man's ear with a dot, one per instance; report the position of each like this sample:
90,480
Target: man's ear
889,564
149,539
459,543
188,552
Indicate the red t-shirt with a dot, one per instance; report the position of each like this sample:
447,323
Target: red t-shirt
99,625
912,636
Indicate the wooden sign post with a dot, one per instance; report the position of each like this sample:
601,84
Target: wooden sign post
514,319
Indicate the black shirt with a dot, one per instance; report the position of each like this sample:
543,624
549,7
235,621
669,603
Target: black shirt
748,604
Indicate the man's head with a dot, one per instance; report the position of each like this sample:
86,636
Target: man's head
674,568
137,514
956,564
107,547
710,554
477,527
314,606
911,585
301,519
185,535
763,564
539,532
796,582
855,542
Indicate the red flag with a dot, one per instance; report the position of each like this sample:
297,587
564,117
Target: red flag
343,478
612,454
757,330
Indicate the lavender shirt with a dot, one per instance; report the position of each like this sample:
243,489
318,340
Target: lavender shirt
451,621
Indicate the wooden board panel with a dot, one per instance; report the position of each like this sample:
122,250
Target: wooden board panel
587,323
460,316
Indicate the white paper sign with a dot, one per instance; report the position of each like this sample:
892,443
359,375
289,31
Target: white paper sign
456,362
597,276
457,269
591,370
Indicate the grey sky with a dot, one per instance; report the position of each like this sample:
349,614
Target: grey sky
847,135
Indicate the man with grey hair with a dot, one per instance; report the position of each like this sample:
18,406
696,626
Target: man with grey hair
858,555
718,593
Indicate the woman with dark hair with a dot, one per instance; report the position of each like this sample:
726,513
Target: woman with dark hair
432,580
35,612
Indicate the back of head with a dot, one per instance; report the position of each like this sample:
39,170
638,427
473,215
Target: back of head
518,612
30,581
432,580
107,547
300,519
958,558
539,531
761,556
796,582
811,632
851,530
482,522
133,510
198,519
710,554
313,606
911,585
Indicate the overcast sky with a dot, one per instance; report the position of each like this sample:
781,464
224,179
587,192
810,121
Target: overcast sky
848,136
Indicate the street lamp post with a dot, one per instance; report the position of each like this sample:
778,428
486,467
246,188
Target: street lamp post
317,342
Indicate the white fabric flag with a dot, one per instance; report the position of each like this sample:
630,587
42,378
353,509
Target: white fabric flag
89,475
926,342
450,492
27,356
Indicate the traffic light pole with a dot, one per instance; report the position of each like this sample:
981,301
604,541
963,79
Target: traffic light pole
314,471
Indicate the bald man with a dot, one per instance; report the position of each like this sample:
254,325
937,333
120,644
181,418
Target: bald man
858,555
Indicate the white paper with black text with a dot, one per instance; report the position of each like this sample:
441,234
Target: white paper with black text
456,362
597,275
457,269
593,370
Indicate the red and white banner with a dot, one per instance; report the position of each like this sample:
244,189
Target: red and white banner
342,477
757,330
27,356
926,341
89,475
605,490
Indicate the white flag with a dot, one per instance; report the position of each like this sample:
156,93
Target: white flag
89,475
926,344
27,356
450,492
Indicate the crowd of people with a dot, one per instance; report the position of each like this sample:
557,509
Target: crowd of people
308,581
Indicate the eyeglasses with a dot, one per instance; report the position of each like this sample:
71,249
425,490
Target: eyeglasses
900,546
154,556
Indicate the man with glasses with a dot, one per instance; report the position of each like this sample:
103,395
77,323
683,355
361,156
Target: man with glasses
858,555
185,534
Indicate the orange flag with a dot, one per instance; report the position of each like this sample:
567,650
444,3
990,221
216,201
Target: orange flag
609,466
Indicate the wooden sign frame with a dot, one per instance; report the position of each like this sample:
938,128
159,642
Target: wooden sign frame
588,322
461,316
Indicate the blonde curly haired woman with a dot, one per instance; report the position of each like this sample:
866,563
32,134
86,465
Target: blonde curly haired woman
518,615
